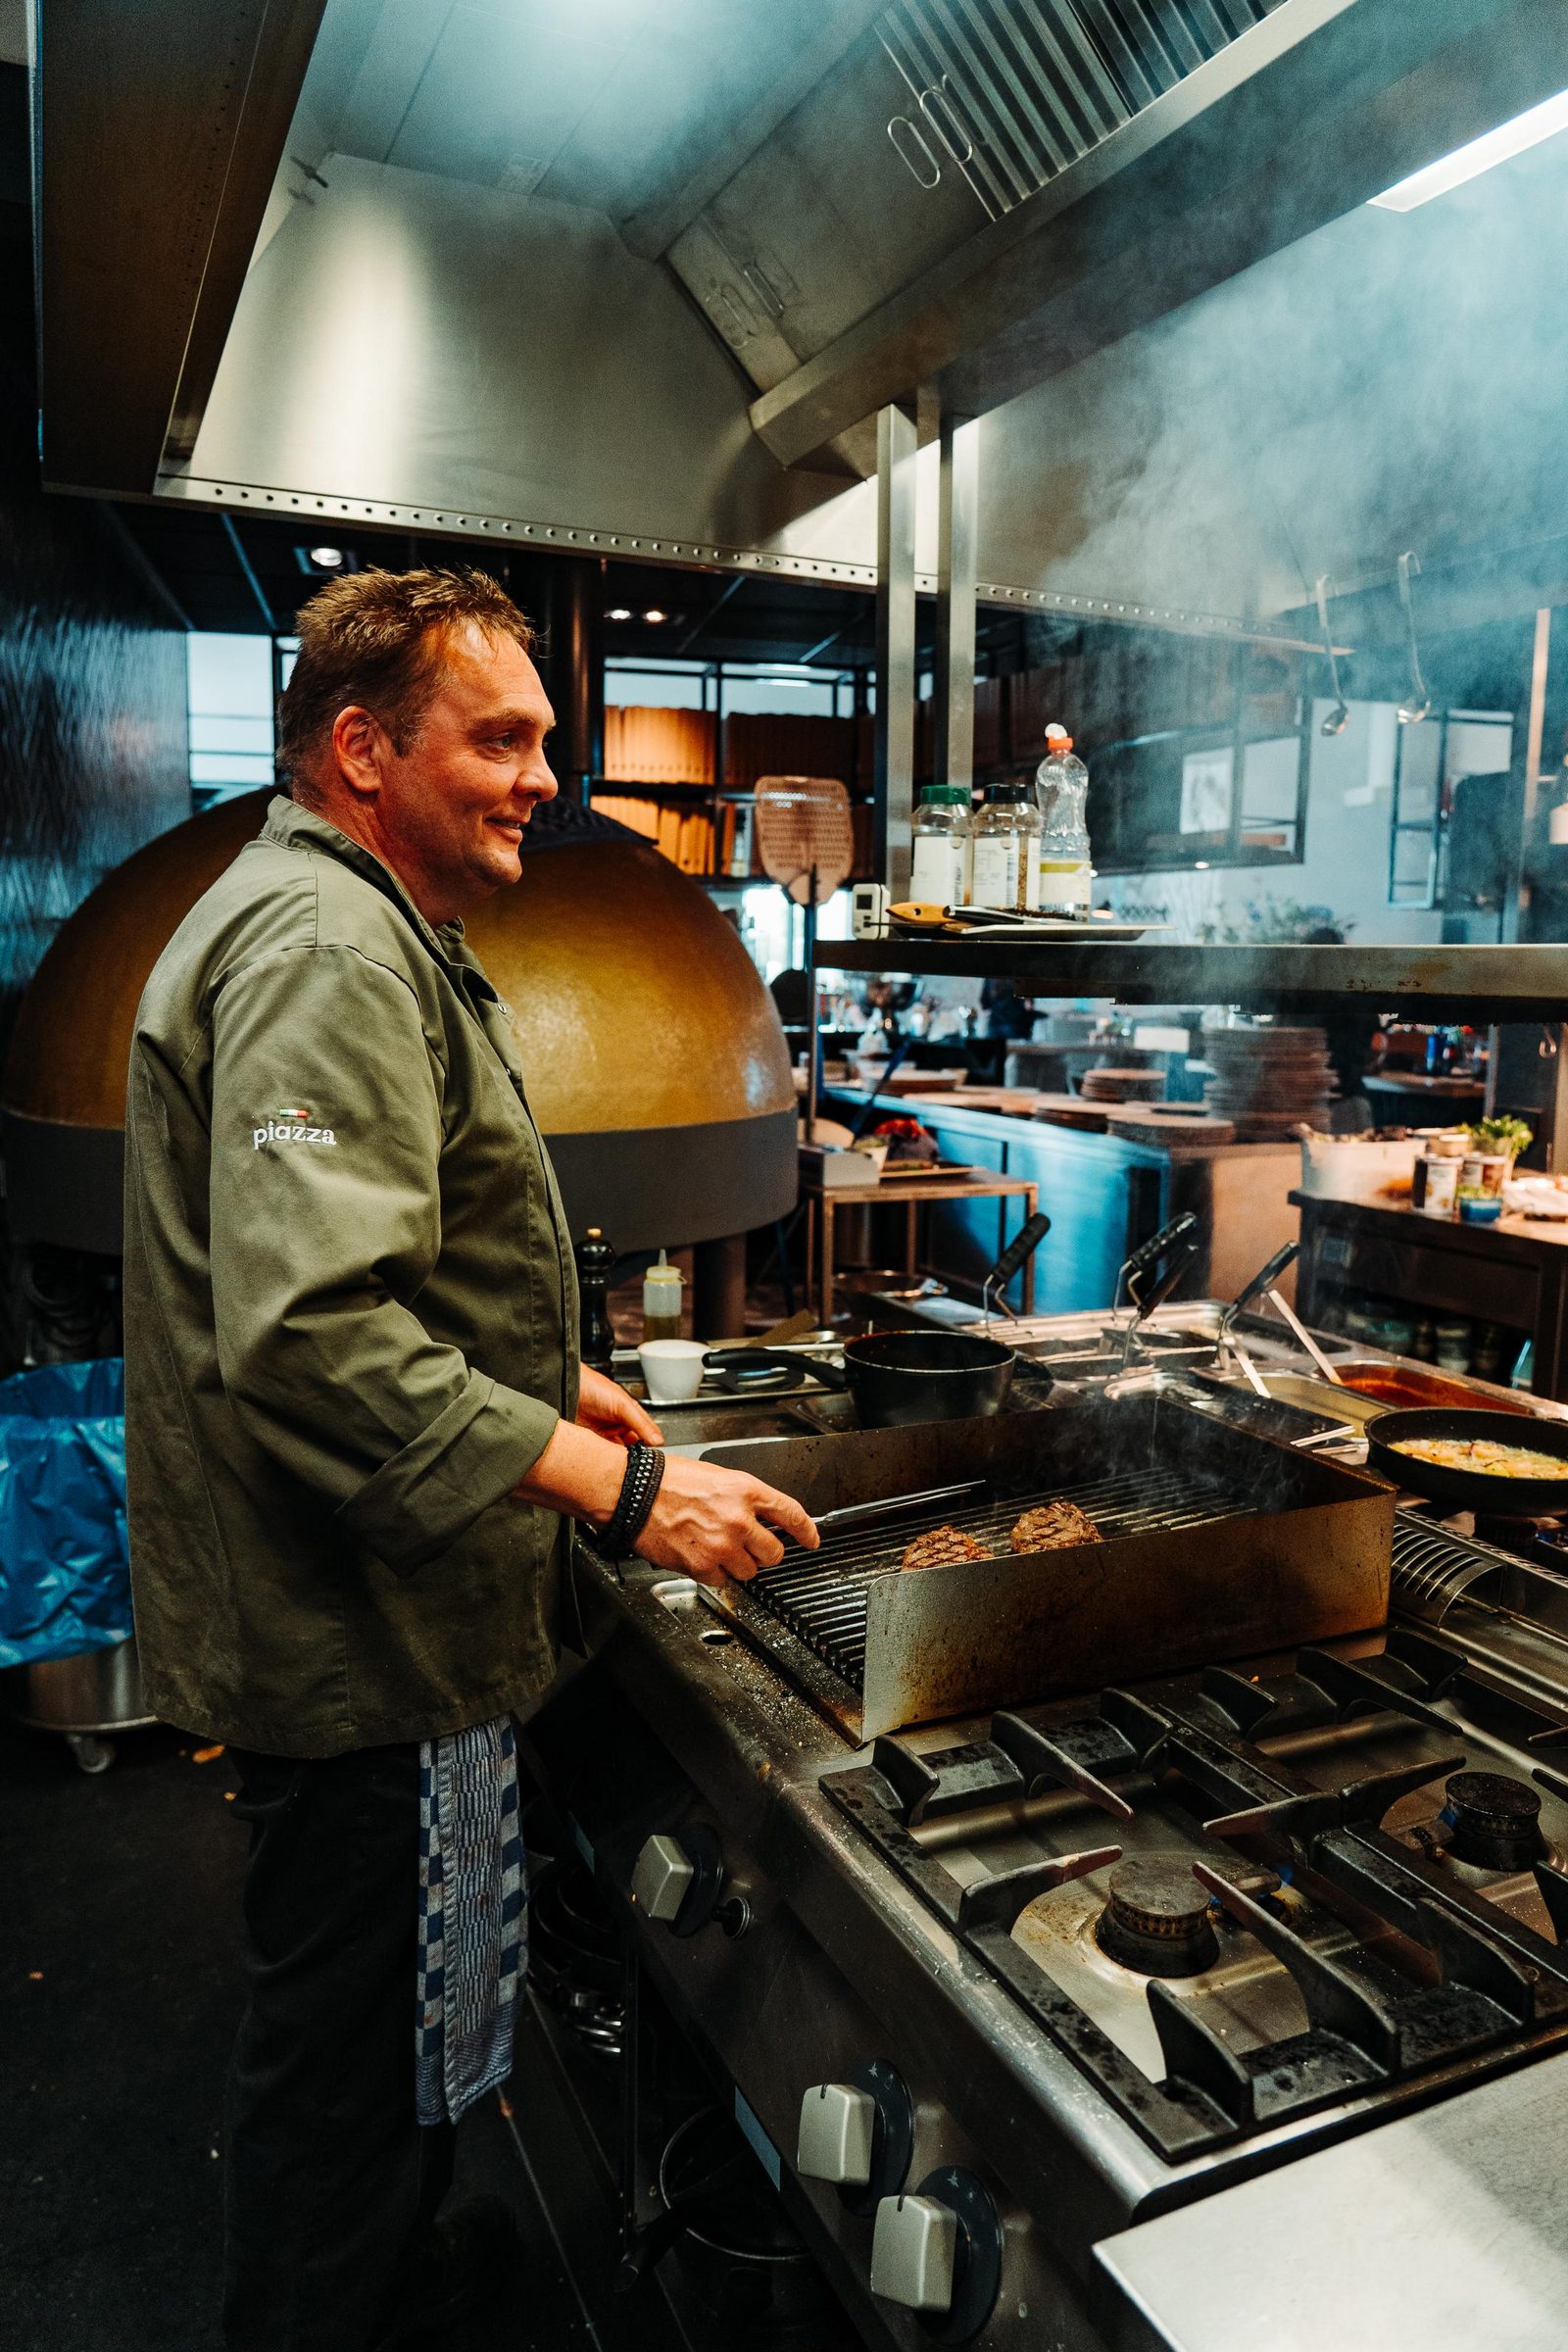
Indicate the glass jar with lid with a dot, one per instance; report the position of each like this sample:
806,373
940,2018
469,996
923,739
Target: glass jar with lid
940,830
1005,857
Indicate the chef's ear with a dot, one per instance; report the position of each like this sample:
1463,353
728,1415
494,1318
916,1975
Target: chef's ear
359,746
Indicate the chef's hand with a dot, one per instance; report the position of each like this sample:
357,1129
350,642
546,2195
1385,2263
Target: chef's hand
711,1523
602,1404
706,1522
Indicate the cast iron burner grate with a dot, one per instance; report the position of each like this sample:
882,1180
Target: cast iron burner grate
1401,1970
821,1595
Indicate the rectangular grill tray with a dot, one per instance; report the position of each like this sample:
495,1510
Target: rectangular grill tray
1218,1543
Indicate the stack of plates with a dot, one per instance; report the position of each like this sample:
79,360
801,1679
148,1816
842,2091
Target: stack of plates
1122,1086
1268,1081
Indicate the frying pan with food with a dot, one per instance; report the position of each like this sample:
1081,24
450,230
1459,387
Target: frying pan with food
1497,1494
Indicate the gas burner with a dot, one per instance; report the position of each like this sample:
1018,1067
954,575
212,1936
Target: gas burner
1403,1960
1156,1920
1516,1535
1493,1820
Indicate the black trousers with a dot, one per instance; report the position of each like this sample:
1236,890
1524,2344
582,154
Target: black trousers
330,2185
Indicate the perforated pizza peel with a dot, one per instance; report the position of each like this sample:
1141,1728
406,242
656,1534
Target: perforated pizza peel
806,840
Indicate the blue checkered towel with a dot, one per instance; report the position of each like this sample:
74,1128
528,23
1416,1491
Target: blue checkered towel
473,1946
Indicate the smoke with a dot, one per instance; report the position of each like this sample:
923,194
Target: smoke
1393,380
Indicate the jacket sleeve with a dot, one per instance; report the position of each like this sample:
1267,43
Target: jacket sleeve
325,1222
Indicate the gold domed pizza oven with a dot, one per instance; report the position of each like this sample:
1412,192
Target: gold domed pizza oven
655,1059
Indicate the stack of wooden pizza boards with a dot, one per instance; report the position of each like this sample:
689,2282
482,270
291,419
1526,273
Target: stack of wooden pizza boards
1268,1081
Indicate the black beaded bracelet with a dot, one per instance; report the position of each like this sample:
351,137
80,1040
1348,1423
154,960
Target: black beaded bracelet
644,1473
642,1508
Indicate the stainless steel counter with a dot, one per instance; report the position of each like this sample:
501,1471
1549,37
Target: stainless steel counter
1446,2231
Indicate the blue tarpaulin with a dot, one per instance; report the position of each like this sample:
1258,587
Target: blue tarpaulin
64,1568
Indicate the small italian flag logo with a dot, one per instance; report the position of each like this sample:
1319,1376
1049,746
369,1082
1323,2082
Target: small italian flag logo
297,1112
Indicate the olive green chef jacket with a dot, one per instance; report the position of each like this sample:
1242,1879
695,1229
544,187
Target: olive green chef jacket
351,1317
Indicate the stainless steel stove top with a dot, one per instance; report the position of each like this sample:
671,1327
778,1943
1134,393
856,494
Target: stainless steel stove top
1133,1953
1240,1896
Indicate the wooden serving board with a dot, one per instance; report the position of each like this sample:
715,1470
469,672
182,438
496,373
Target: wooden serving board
1017,1101
911,1171
1071,1110
1148,1123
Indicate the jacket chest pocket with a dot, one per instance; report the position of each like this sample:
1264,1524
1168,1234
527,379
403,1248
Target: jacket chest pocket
490,1170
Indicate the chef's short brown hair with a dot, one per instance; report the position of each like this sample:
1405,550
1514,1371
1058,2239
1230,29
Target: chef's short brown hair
375,639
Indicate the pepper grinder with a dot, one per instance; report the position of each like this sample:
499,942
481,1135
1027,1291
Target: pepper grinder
595,1334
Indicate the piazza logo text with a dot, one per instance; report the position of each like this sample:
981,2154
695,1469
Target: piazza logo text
291,1124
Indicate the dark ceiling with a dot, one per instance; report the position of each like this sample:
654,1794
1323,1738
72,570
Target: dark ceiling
220,573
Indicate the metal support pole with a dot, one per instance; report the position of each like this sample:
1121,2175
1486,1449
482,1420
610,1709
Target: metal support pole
578,675
956,500
1514,923
813,999
1554,1048
896,439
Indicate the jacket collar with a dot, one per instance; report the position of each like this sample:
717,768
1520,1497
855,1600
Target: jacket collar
293,827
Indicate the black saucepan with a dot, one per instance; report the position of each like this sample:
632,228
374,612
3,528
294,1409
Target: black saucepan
898,1376
1471,1490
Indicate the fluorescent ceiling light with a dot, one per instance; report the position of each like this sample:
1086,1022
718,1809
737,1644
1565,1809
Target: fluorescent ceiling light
1528,129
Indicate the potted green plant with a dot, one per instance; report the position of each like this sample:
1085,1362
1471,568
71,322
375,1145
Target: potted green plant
1501,1139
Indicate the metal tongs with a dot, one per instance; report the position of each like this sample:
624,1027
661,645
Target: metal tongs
889,1506
1266,1284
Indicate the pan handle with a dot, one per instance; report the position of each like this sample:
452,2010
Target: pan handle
831,1376
1022,1247
1177,1261
1149,1253
1265,1279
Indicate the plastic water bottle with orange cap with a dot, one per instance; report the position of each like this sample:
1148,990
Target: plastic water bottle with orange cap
1062,789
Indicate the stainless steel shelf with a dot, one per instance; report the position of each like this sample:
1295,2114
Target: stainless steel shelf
1469,984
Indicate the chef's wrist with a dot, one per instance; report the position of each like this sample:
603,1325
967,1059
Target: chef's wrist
639,1485
579,1474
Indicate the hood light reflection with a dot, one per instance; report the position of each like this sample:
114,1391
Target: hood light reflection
1528,129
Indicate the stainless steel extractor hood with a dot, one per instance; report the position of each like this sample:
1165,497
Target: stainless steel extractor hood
632,278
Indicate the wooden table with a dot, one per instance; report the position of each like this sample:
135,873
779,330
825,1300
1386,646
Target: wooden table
907,1192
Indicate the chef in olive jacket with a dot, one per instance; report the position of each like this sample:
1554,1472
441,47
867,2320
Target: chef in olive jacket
356,1428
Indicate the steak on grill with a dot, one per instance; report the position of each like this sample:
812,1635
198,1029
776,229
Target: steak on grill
1051,1527
942,1548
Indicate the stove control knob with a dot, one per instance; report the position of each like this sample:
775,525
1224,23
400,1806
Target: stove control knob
858,2135
940,2252
914,2252
838,2129
681,1881
663,1879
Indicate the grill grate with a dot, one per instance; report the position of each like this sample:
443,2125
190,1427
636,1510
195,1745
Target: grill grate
821,1595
